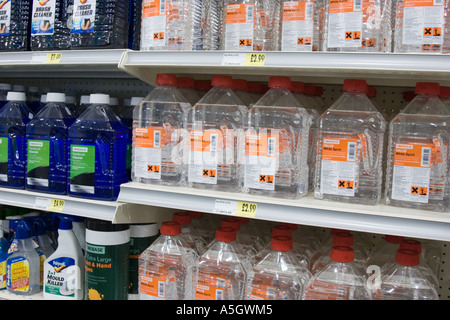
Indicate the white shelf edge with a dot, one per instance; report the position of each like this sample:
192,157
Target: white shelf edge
380,219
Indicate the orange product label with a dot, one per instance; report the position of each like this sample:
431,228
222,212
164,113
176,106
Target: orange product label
436,153
296,10
210,286
150,137
337,149
153,286
342,6
240,13
262,145
152,8
206,140
413,155
421,3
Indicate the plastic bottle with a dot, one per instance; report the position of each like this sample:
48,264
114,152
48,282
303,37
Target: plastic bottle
192,238
14,117
384,251
97,151
134,33
22,266
107,260
212,15
186,86
47,147
221,272
4,246
64,269
99,24
15,22
242,238
276,144
357,26
338,280
350,149
166,266
213,127
420,27
177,26
405,280
50,26
142,235
158,123
240,88
418,158
202,226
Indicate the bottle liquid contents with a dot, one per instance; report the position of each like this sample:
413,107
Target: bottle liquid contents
191,237
166,267
15,24
340,279
350,149
23,265
47,147
158,123
405,280
99,24
214,125
97,146
418,157
357,26
249,25
64,269
276,144
177,26
279,275
420,26
221,272
14,117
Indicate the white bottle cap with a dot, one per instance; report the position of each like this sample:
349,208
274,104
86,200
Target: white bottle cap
5,86
56,97
136,100
84,99
99,98
43,98
15,96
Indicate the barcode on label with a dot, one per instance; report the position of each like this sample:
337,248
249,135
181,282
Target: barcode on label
357,5
351,153
249,13
157,139
426,154
213,144
270,295
162,7
161,289
309,6
219,294
271,146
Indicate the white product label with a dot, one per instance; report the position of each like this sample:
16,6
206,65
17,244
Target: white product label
153,29
43,17
148,144
297,26
239,27
83,16
5,18
345,20
225,206
204,149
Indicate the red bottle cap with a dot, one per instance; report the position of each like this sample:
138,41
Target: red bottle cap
372,92
253,87
281,243
204,85
355,85
428,88
410,244
170,228
344,239
393,239
406,257
182,218
309,89
297,86
231,222
342,254
318,91
282,231
225,234
222,81
166,79
184,82
239,84
279,82
293,226
444,92
408,95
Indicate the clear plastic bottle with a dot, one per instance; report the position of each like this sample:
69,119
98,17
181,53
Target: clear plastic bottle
276,144
338,280
15,24
350,148
240,88
214,126
97,152
186,86
384,251
158,123
357,26
418,157
166,266
14,117
202,226
176,25
211,15
279,275
243,238
221,272
421,27
405,280
99,24
190,235
47,147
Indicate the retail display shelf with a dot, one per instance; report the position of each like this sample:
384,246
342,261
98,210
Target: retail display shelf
116,212
386,69
6,295
379,219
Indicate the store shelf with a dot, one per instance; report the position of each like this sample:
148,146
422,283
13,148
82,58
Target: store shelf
63,64
379,219
6,295
317,67
113,211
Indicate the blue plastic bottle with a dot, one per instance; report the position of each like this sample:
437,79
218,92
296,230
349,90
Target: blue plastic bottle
14,25
47,146
97,152
14,117
134,34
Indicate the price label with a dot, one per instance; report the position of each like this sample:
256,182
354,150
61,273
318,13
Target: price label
225,206
255,59
246,209
54,57
56,205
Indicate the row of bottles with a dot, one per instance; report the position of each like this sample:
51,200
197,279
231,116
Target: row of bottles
230,258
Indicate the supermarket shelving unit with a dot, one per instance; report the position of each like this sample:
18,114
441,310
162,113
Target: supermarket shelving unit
126,71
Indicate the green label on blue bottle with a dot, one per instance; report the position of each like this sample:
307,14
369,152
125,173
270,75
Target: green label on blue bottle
82,168
38,161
